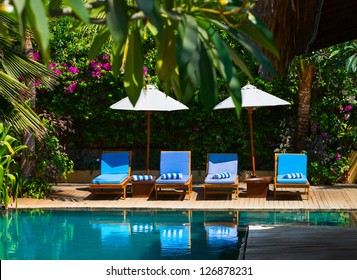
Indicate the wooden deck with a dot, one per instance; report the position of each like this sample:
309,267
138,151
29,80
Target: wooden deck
301,243
338,197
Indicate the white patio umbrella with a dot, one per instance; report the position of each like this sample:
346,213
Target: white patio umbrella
251,98
150,99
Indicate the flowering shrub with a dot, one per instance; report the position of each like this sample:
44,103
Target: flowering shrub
85,92
52,160
333,125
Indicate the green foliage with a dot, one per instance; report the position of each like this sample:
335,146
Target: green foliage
36,187
10,174
333,134
52,160
17,72
99,128
191,31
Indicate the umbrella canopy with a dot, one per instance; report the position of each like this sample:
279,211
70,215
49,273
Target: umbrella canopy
251,98
150,99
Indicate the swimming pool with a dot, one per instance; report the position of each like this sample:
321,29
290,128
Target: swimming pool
139,235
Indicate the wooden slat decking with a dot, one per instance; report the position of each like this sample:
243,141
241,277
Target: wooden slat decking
339,197
301,243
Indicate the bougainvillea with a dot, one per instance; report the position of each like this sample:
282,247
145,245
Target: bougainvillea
86,89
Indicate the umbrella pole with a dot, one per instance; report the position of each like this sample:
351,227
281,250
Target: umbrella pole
250,112
148,144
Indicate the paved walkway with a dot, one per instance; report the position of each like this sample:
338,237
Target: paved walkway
338,197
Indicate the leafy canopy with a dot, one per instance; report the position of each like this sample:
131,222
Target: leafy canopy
191,49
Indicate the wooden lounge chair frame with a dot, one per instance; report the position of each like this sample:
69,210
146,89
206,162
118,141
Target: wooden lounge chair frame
98,188
292,185
166,184
221,188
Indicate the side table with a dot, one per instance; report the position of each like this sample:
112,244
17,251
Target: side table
142,188
258,186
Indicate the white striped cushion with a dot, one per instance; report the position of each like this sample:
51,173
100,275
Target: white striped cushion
142,177
170,176
293,175
222,175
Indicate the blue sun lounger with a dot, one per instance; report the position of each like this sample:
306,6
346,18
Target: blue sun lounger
291,172
222,174
175,172
114,175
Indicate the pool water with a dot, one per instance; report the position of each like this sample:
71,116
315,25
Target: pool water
139,235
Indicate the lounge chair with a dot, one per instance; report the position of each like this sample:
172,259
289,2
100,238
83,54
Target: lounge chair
114,175
175,172
222,174
291,172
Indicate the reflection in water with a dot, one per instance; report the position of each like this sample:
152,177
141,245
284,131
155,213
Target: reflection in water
140,235
111,233
175,240
221,236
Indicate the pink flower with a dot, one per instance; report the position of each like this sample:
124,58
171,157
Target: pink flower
73,70
96,74
338,157
347,108
72,87
95,65
36,56
57,71
314,127
52,65
145,71
106,66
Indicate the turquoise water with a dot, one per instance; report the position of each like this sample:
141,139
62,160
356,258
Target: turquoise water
139,235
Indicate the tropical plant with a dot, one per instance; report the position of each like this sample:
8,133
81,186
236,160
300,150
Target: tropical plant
347,52
10,175
16,72
333,133
51,156
191,49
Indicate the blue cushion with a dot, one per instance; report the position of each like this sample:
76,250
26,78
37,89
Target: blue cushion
209,179
292,163
280,179
218,163
222,175
109,179
171,176
175,162
293,175
115,163
182,181
142,177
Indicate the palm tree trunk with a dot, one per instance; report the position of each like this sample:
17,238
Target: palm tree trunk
305,76
28,166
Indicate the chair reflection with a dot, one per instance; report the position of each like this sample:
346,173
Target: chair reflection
113,233
221,235
175,232
142,228
221,230
175,239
